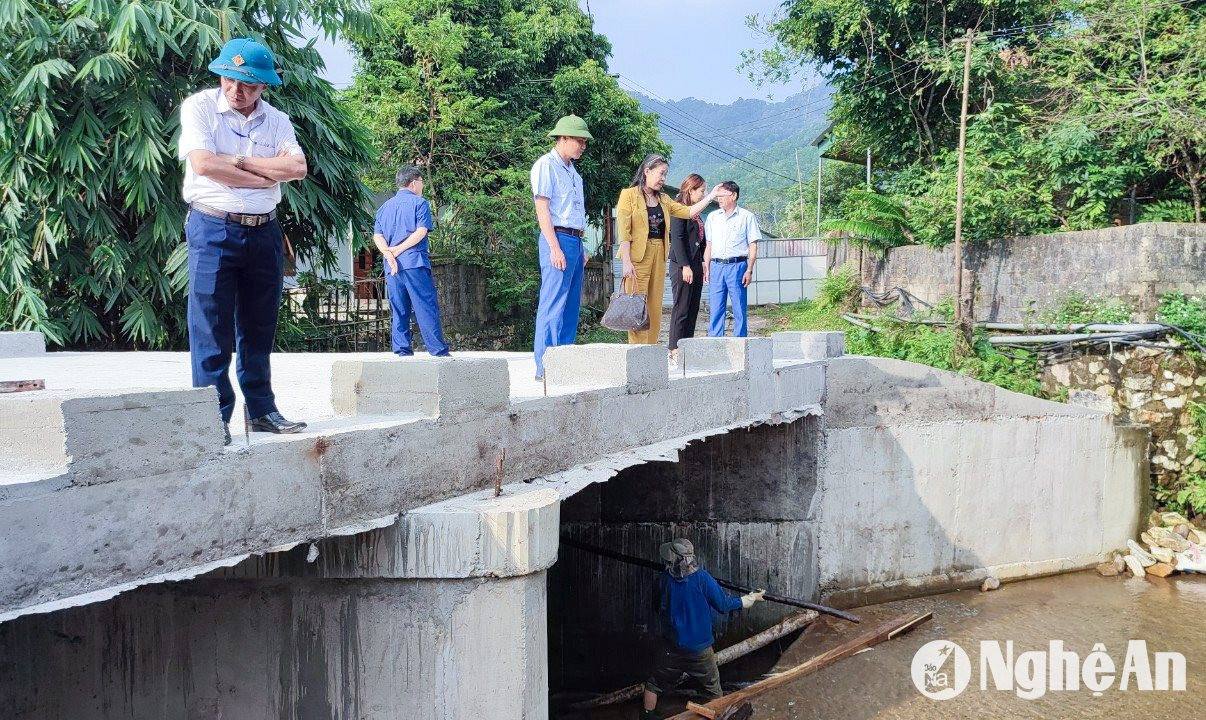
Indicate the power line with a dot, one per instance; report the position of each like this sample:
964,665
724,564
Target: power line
666,104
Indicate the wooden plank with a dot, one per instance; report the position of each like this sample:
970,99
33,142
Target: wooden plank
13,386
788,625
874,636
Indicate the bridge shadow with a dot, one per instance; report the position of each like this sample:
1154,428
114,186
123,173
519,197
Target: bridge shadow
793,508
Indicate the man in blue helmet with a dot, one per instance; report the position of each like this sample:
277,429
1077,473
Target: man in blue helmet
238,150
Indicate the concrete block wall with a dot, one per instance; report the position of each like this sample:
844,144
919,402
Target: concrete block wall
1020,276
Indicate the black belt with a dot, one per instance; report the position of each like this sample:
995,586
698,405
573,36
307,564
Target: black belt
568,231
727,261
247,219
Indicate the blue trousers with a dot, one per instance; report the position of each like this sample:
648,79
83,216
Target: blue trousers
412,291
235,278
724,284
560,298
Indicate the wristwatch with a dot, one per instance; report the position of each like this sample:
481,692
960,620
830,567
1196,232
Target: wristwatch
239,161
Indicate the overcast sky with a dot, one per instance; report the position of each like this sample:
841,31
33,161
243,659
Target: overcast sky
687,48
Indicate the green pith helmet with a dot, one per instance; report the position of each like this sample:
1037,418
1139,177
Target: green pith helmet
571,126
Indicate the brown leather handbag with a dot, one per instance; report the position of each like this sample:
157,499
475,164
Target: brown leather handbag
626,312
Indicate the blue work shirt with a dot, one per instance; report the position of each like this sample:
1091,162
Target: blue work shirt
687,605
397,218
560,182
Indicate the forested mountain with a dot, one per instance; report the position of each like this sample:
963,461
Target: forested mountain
763,137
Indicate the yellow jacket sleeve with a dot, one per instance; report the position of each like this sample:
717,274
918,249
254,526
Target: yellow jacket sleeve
676,208
624,217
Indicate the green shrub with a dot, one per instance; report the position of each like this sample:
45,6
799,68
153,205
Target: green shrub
1185,312
839,289
1078,308
1191,496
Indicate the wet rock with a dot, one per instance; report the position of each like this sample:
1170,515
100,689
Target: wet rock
1161,554
1160,569
1169,539
1182,529
1119,564
1145,559
989,584
1134,566
1107,569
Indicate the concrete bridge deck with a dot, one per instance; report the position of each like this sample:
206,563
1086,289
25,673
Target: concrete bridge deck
365,569
115,475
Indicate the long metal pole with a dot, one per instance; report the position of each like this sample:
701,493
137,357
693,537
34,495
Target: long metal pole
959,180
641,562
820,160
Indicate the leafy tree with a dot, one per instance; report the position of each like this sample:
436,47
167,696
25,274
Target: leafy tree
1135,74
91,219
468,89
896,72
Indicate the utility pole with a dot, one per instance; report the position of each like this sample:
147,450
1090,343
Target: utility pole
820,159
959,318
800,191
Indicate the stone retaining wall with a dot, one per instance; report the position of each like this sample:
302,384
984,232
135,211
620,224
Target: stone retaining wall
1147,386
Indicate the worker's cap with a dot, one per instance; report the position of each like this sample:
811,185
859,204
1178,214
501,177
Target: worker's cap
248,61
676,550
571,126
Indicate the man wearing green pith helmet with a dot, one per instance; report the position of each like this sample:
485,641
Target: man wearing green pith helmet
561,215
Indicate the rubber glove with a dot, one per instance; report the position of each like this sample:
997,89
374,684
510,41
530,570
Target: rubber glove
747,601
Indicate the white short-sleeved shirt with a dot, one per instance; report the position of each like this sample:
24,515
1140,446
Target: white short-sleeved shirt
207,122
730,235
560,182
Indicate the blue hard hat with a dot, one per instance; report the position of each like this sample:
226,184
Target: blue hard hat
246,60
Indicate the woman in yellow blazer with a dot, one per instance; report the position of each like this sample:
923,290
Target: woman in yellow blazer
643,215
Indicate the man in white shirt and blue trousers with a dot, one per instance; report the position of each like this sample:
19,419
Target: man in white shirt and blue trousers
561,214
733,236
238,150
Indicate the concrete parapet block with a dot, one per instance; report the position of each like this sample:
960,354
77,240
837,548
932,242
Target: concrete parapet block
639,368
808,345
444,387
722,354
751,356
104,438
22,344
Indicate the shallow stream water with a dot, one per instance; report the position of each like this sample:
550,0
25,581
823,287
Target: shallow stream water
1080,609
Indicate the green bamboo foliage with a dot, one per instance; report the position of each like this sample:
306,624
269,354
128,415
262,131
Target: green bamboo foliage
91,220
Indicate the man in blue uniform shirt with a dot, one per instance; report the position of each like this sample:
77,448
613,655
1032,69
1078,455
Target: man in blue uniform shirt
238,150
400,233
561,214
688,596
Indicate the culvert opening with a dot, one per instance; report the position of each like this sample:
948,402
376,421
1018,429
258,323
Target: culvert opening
743,499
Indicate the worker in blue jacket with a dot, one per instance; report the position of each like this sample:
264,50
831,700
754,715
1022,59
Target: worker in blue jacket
688,596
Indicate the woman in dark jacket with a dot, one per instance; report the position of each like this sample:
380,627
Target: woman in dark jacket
687,243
